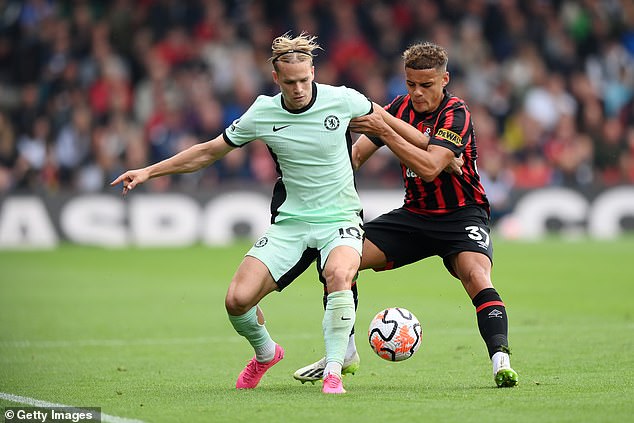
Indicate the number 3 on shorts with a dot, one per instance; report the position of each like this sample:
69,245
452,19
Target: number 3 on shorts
479,235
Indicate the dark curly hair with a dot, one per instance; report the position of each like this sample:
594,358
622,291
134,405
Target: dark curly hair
425,56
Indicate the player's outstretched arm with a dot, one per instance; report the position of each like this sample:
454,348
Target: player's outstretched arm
190,160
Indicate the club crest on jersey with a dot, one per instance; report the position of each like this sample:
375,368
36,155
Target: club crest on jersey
262,242
450,136
331,122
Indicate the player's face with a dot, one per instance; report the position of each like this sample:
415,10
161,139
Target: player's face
296,83
425,88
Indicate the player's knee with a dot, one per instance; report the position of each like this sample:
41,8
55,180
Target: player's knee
339,279
476,279
236,304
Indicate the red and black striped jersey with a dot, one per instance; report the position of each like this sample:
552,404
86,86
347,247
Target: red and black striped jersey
449,126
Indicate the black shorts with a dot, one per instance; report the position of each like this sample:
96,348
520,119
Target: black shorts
406,237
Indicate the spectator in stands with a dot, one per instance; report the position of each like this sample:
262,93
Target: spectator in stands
8,153
73,147
541,57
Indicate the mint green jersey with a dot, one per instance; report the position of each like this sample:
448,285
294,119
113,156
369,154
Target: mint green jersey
311,148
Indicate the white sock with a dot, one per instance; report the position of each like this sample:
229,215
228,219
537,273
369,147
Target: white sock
500,360
352,348
266,352
332,368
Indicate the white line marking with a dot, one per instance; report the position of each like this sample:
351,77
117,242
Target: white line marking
132,342
105,418
105,342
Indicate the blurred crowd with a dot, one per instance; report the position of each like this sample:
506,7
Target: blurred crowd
89,88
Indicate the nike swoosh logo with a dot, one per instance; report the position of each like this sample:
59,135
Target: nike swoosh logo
346,318
279,128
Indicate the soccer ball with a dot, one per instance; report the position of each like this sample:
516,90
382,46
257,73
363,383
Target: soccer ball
395,334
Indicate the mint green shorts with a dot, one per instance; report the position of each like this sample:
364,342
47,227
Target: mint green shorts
290,246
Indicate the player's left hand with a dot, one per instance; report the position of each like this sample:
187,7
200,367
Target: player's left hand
455,166
131,179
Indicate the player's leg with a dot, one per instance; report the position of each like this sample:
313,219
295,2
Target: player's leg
372,257
474,271
273,262
341,267
340,247
392,233
252,282
351,362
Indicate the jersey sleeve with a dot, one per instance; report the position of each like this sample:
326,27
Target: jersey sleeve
453,129
359,104
242,130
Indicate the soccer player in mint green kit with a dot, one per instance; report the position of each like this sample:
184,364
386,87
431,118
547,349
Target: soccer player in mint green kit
315,207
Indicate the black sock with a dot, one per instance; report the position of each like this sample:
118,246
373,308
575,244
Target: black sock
492,320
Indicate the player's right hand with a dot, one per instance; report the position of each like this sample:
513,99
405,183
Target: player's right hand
370,125
131,179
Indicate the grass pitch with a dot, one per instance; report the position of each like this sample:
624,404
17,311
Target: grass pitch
143,334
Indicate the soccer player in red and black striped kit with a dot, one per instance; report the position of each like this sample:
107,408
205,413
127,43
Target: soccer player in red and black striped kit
444,213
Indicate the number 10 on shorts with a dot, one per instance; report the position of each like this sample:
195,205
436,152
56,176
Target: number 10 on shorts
351,232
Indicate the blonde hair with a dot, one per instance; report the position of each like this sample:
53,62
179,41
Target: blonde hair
292,50
426,56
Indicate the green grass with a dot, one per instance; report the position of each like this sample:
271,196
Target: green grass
143,334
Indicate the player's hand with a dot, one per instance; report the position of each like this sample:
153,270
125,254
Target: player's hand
372,124
131,179
455,166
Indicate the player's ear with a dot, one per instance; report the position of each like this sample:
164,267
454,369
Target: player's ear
275,77
445,79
